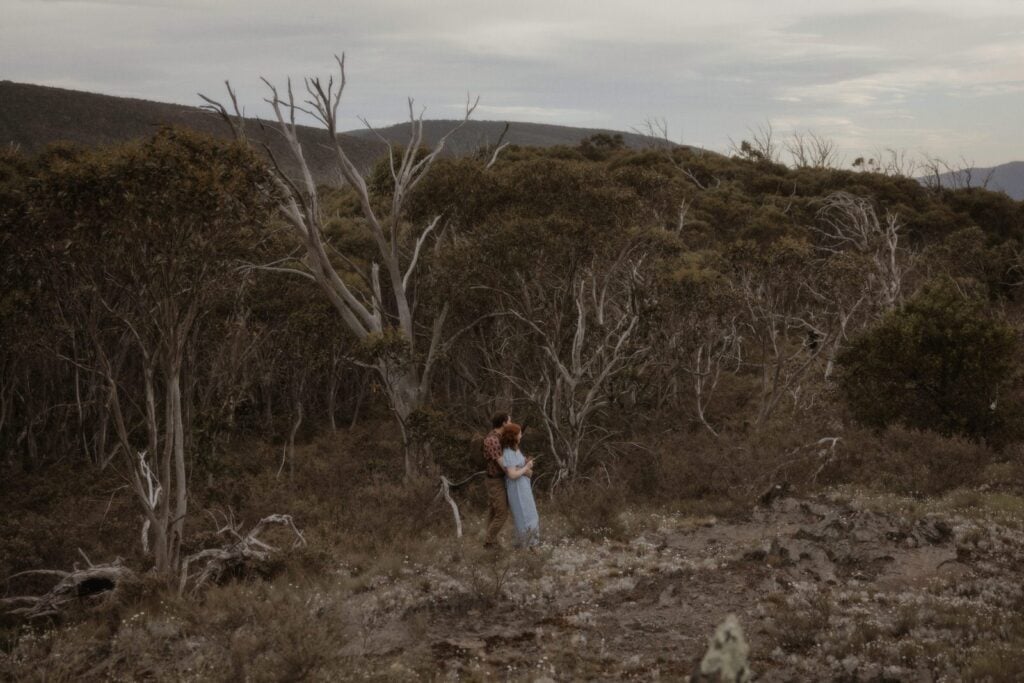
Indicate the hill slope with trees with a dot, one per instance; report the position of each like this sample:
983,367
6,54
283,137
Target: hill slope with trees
1008,178
33,116
189,336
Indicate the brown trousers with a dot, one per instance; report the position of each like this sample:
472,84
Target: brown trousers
497,503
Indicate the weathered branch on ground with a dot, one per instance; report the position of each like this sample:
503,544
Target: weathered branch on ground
243,550
99,582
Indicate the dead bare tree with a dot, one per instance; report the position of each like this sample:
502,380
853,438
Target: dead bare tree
897,162
657,129
762,145
788,348
161,490
699,338
783,333
587,334
490,152
719,348
381,310
933,170
288,449
958,175
860,271
810,150
892,162
850,223
842,298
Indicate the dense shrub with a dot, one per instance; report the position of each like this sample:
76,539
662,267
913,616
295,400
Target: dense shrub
906,461
593,510
942,363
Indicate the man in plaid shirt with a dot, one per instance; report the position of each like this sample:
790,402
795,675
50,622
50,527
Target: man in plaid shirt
497,498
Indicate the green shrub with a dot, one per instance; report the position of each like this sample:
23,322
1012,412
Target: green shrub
940,363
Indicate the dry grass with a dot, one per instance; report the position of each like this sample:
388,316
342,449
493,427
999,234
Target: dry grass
383,572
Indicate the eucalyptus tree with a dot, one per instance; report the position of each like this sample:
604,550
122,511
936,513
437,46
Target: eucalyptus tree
145,238
402,341
778,319
588,334
697,336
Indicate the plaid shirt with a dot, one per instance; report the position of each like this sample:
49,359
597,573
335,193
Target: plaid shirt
492,455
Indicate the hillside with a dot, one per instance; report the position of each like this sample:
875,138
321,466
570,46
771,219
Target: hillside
1008,178
33,116
478,134
786,399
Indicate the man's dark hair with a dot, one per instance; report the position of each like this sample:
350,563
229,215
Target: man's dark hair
498,419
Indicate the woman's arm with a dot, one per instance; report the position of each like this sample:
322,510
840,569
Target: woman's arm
516,472
513,472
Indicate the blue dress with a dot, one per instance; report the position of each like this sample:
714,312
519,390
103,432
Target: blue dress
520,501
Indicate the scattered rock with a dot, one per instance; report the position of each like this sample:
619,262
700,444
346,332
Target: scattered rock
779,554
774,493
726,658
669,597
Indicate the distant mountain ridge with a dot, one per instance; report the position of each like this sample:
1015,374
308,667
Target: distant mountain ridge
1008,178
476,134
33,116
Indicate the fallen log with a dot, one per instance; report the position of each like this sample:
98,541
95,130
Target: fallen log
243,551
95,583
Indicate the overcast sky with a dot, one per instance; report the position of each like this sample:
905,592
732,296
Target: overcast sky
928,76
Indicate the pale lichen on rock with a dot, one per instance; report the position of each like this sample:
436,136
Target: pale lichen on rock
726,660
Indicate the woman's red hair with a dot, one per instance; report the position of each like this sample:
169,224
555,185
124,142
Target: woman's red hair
508,435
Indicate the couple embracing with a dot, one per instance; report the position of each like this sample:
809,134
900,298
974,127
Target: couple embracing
508,483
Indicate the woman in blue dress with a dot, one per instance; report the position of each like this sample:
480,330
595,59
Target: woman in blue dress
518,471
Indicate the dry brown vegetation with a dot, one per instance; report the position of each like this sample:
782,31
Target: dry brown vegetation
791,395
841,582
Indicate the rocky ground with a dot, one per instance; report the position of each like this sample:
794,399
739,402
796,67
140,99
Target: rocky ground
834,588
843,586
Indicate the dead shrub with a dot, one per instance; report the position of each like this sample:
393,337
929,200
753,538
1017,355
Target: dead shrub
346,492
996,663
909,462
592,510
680,466
1007,474
703,474
488,571
796,628
49,515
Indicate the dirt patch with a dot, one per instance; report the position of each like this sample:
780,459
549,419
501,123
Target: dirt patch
813,582
824,589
